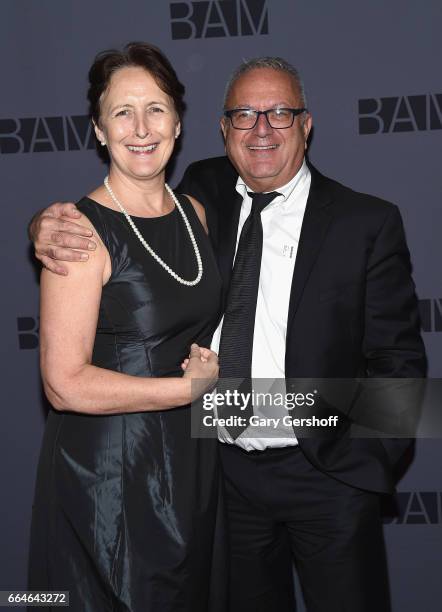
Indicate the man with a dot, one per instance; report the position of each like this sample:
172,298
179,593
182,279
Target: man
323,275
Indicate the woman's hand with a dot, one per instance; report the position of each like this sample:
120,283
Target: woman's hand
201,367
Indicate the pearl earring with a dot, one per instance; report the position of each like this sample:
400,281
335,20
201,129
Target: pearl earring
103,144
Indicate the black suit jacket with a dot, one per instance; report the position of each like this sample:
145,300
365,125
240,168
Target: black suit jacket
353,309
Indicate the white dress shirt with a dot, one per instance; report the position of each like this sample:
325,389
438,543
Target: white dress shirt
281,223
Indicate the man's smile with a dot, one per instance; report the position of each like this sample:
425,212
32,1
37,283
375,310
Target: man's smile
262,147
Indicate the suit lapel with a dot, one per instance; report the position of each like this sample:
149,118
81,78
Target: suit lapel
316,222
229,208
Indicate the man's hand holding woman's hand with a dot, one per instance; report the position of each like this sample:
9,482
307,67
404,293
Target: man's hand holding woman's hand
201,367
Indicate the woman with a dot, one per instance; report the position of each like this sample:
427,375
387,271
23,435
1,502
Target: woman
126,503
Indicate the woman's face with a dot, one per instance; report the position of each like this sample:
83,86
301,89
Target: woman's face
138,123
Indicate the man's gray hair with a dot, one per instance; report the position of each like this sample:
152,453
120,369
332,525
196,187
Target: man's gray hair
276,63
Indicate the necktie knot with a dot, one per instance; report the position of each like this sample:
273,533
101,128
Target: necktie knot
261,200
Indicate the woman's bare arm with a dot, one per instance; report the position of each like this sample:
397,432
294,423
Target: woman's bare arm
69,312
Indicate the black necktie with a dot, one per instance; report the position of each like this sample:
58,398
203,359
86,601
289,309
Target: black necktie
236,344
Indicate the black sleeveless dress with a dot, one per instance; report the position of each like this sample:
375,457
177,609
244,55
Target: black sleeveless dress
128,513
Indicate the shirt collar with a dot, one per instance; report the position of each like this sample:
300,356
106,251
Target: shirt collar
286,190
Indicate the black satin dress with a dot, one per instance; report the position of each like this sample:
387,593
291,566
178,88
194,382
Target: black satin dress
127,513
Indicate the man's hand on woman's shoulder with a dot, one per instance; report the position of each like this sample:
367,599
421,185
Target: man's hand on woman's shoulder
57,237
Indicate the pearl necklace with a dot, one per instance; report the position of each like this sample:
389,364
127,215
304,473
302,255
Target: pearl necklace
149,249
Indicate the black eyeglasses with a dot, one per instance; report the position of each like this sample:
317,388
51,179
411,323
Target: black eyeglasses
278,118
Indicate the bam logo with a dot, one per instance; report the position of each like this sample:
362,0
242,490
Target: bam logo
218,18
46,134
405,114
418,508
28,328
431,315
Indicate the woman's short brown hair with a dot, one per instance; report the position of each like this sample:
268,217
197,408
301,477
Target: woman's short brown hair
140,54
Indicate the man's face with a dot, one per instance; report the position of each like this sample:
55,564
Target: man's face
266,158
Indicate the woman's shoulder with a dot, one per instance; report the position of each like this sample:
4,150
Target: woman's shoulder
198,208
95,214
88,204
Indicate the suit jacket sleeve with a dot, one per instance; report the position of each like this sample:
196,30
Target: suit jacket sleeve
389,399
392,342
